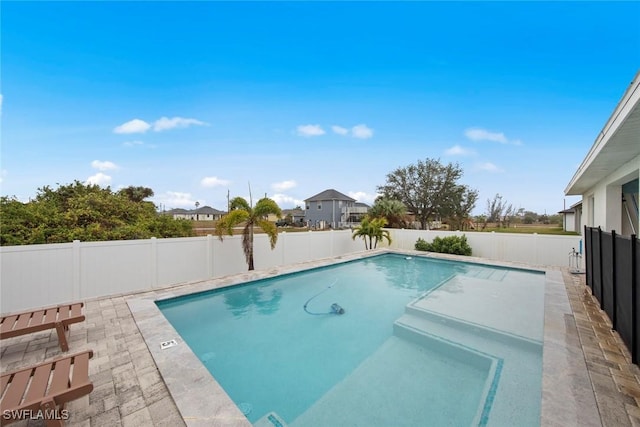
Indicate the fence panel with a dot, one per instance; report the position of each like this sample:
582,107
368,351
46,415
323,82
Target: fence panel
608,264
588,245
111,268
624,294
180,260
597,266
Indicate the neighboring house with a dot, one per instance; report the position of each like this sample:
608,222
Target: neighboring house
355,213
330,208
608,177
572,217
205,213
297,215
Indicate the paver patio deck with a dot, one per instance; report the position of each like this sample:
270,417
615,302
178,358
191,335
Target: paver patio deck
129,391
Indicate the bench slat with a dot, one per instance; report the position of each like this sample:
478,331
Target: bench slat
3,383
38,317
7,323
16,389
50,315
63,312
60,380
39,383
80,369
23,321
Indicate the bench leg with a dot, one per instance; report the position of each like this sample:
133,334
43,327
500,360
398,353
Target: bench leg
62,336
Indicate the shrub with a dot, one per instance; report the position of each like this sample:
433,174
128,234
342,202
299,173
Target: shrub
422,245
456,245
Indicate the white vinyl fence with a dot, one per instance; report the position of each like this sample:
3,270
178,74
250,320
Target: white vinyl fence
40,275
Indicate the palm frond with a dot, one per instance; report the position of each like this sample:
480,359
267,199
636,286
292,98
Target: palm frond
266,206
227,222
270,229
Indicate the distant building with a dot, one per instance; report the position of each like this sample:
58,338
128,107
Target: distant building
331,208
205,213
571,218
297,215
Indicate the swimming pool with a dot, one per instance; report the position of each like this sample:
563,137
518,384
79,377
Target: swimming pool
421,339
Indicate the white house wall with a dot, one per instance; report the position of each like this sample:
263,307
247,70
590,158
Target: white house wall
607,195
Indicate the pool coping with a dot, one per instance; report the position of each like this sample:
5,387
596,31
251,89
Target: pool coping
567,392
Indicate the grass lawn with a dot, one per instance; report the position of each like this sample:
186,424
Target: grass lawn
527,229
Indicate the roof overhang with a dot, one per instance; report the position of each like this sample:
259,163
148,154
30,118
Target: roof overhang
617,143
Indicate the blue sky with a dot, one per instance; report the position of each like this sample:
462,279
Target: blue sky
195,99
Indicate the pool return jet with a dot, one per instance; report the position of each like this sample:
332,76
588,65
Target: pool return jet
335,307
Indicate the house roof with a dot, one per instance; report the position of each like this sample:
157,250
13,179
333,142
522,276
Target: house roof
208,210
330,194
615,145
361,205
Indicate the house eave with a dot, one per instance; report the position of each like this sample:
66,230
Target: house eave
616,144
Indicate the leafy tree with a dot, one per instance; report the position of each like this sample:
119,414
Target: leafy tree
499,211
371,230
85,212
463,200
394,211
241,211
428,188
136,194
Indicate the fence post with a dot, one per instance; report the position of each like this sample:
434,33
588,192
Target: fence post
614,285
600,264
587,256
634,306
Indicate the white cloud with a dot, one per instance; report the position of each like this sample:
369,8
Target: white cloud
488,167
457,150
132,143
103,166
310,130
99,179
133,126
479,134
339,130
284,185
166,123
361,132
214,181
363,197
176,199
286,202
3,173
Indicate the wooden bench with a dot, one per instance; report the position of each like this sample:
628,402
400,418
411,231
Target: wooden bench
41,391
27,322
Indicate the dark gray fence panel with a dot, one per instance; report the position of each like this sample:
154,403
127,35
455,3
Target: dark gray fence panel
588,252
608,265
624,288
597,266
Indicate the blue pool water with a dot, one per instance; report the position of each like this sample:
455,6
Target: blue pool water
421,339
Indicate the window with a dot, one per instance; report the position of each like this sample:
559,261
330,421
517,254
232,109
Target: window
319,206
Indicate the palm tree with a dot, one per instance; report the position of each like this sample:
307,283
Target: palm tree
371,229
240,211
393,210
